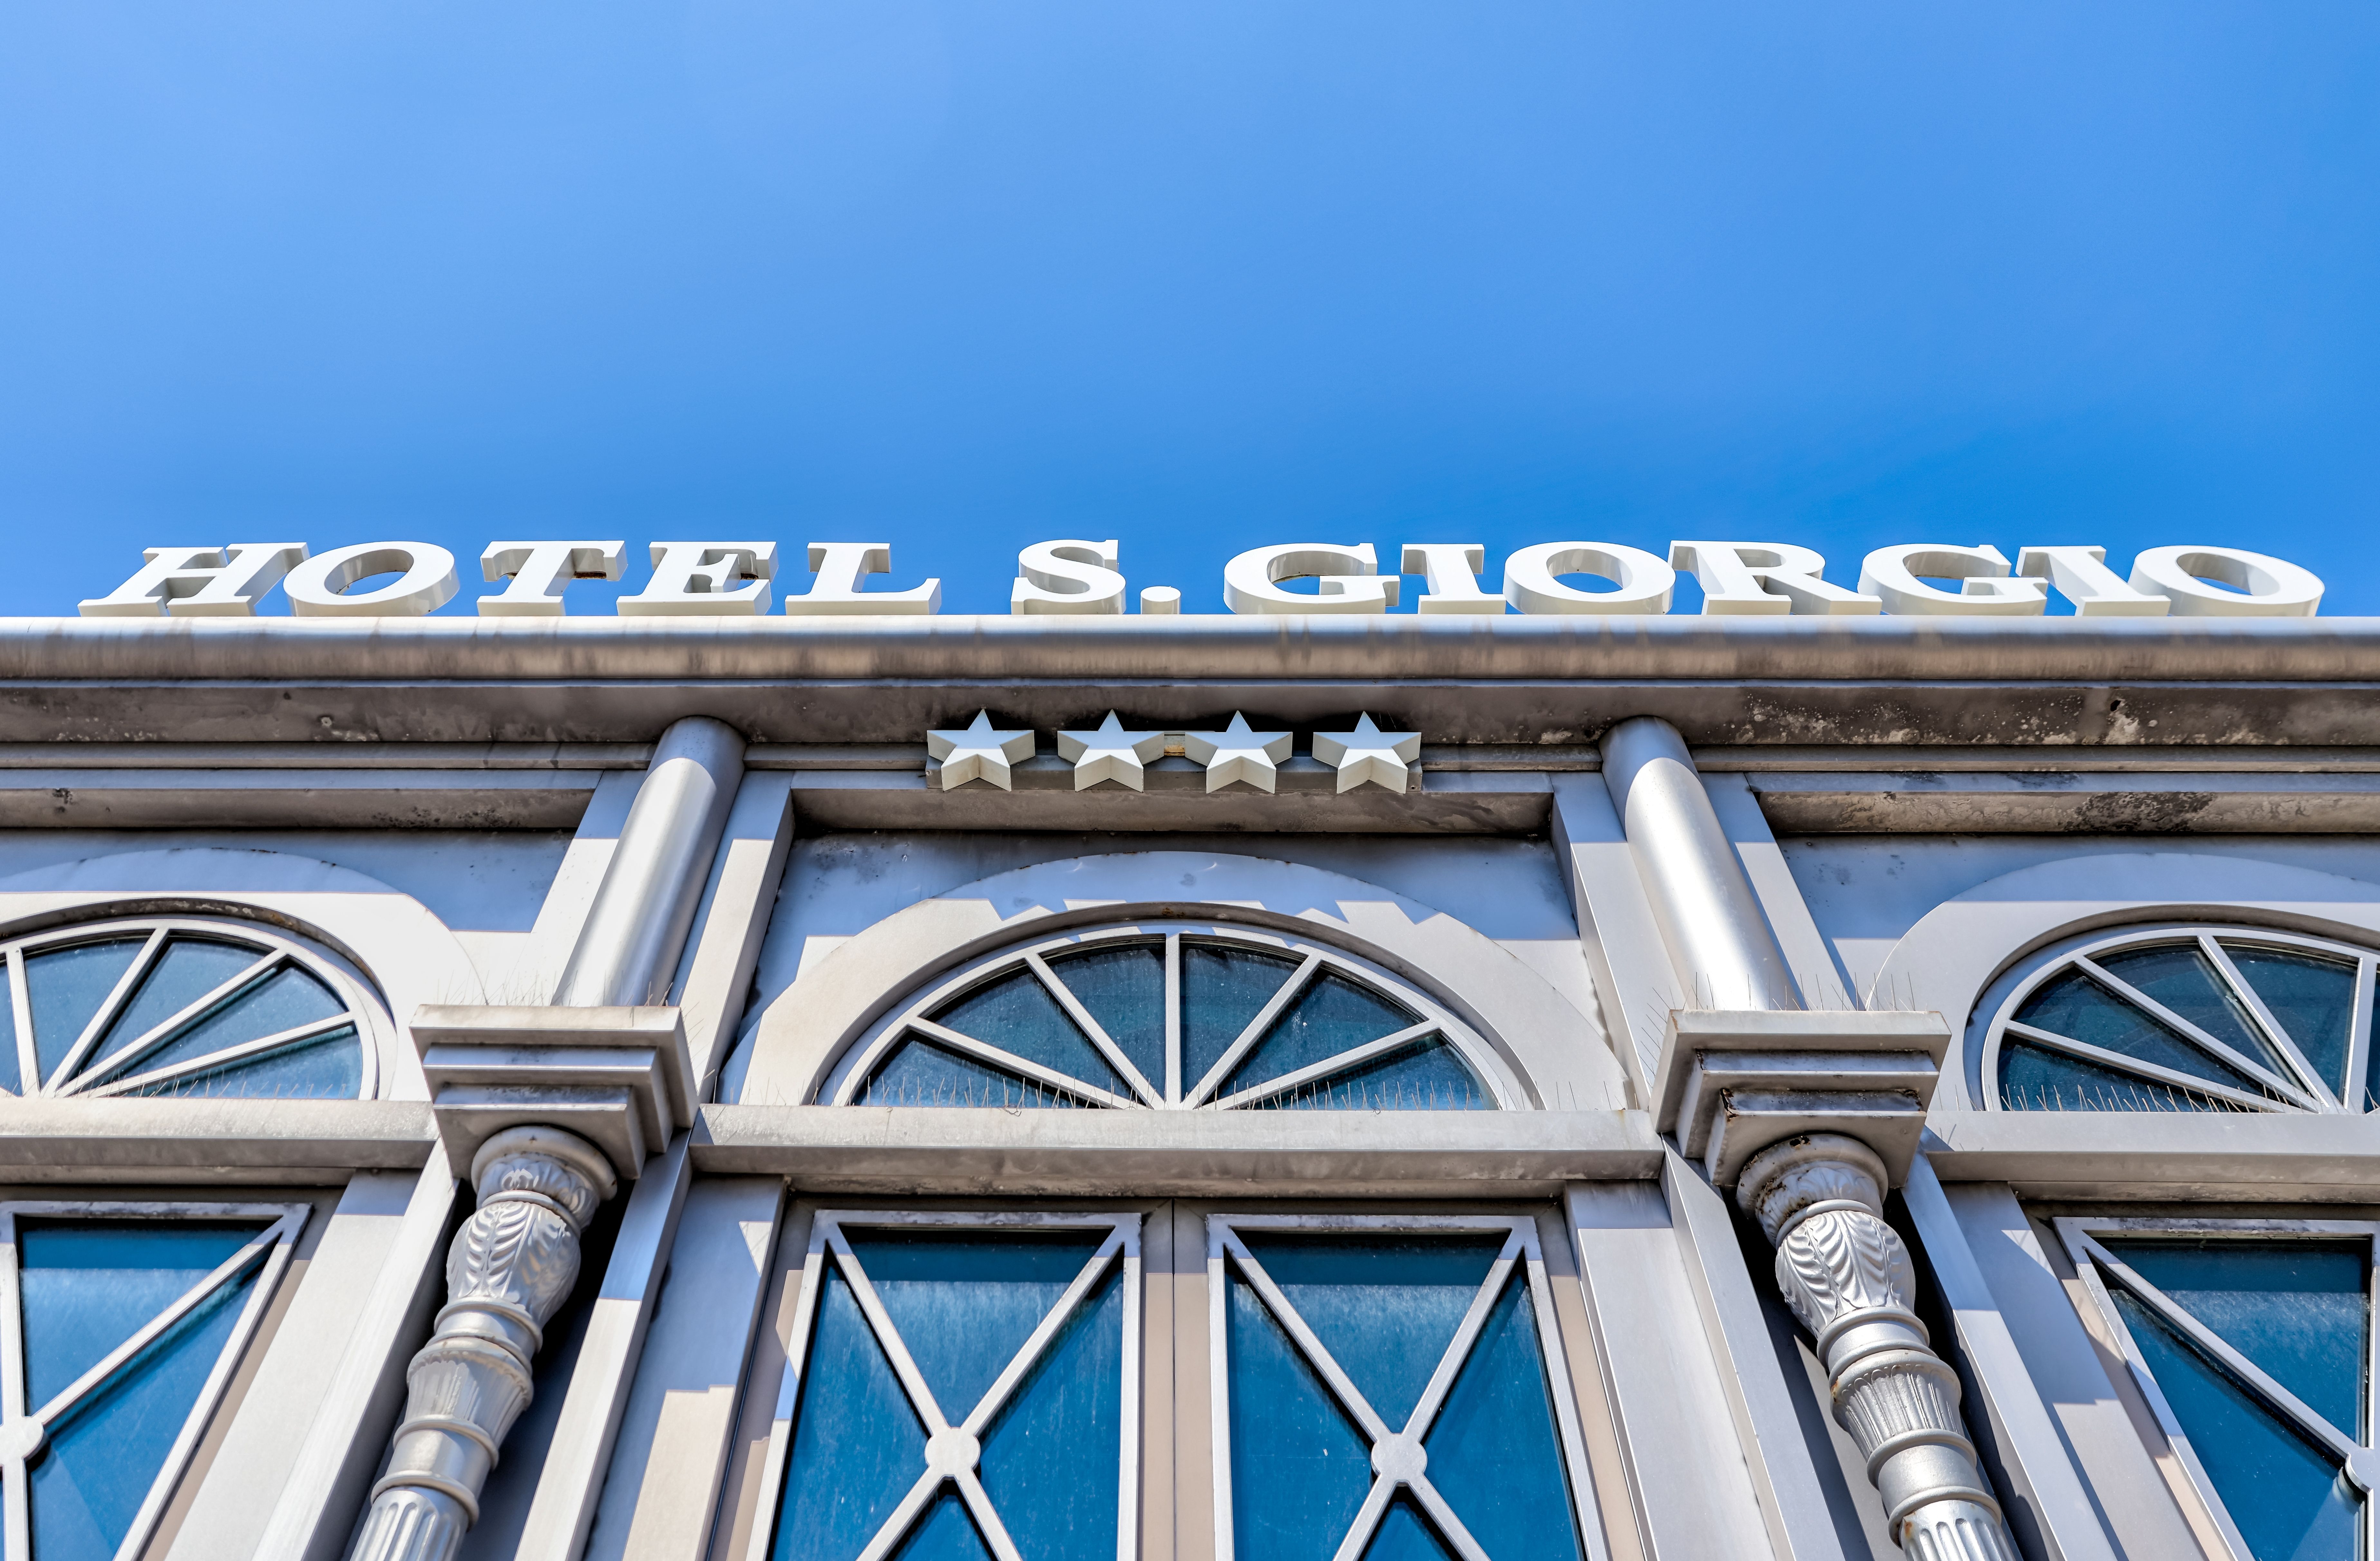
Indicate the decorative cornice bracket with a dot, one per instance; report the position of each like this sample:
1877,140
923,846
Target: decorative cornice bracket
1731,1082
621,1078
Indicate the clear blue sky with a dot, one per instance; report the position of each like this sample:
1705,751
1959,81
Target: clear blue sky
963,275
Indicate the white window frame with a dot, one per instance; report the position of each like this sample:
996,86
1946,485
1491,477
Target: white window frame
2309,1093
848,1078
2095,1265
274,952
1121,1245
1392,1451
271,1247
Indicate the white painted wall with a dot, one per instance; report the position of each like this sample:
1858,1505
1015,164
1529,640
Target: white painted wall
1510,891
486,885
1868,891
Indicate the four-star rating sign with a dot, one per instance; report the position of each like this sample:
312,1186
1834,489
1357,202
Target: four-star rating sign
1239,753
979,753
1110,753
1369,754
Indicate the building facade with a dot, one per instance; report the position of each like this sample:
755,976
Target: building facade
1182,1088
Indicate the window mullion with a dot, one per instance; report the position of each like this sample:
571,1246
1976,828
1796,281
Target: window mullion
2254,1068
2356,1096
2268,1020
159,1033
2150,1071
1173,1018
2279,1399
112,1005
15,1499
20,1001
1234,1054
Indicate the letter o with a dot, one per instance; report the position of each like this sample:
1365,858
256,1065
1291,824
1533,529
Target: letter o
1644,581
2275,586
318,586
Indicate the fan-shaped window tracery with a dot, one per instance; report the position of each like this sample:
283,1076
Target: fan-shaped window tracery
1170,1018
178,1006
2189,1017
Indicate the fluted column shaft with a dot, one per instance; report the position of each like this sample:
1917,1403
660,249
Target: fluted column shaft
1849,1280
512,1265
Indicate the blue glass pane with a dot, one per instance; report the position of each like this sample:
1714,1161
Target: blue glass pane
1299,1468
1426,1076
65,987
1494,1453
1124,990
945,1533
920,1073
1017,1015
2076,1007
857,1445
2288,1499
10,1068
1222,989
186,971
1332,1015
1052,1458
329,1068
88,1287
1385,1307
2036,1079
964,1302
284,1000
2296,1309
2181,978
104,1455
2312,997
1405,1535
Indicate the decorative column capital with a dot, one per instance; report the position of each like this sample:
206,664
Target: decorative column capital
1849,1277
511,1266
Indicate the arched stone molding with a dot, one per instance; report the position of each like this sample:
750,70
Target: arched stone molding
1962,956
1559,1056
394,945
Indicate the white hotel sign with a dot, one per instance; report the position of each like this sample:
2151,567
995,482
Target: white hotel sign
1078,576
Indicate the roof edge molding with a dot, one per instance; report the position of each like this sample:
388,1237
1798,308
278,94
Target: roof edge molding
2030,682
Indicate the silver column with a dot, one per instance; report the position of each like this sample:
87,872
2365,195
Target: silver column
517,1258
637,926
1849,1278
1818,1196
510,1265
1717,934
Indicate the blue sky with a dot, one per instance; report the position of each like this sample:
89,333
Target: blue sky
963,275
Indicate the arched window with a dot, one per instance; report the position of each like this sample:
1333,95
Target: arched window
168,1005
2189,1017
1166,1017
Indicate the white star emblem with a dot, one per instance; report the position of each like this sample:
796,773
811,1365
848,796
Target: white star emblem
979,753
1235,753
1369,754
1110,754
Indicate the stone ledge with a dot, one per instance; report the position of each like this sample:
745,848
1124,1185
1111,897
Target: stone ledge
2189,1157
949,1151
210,1140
